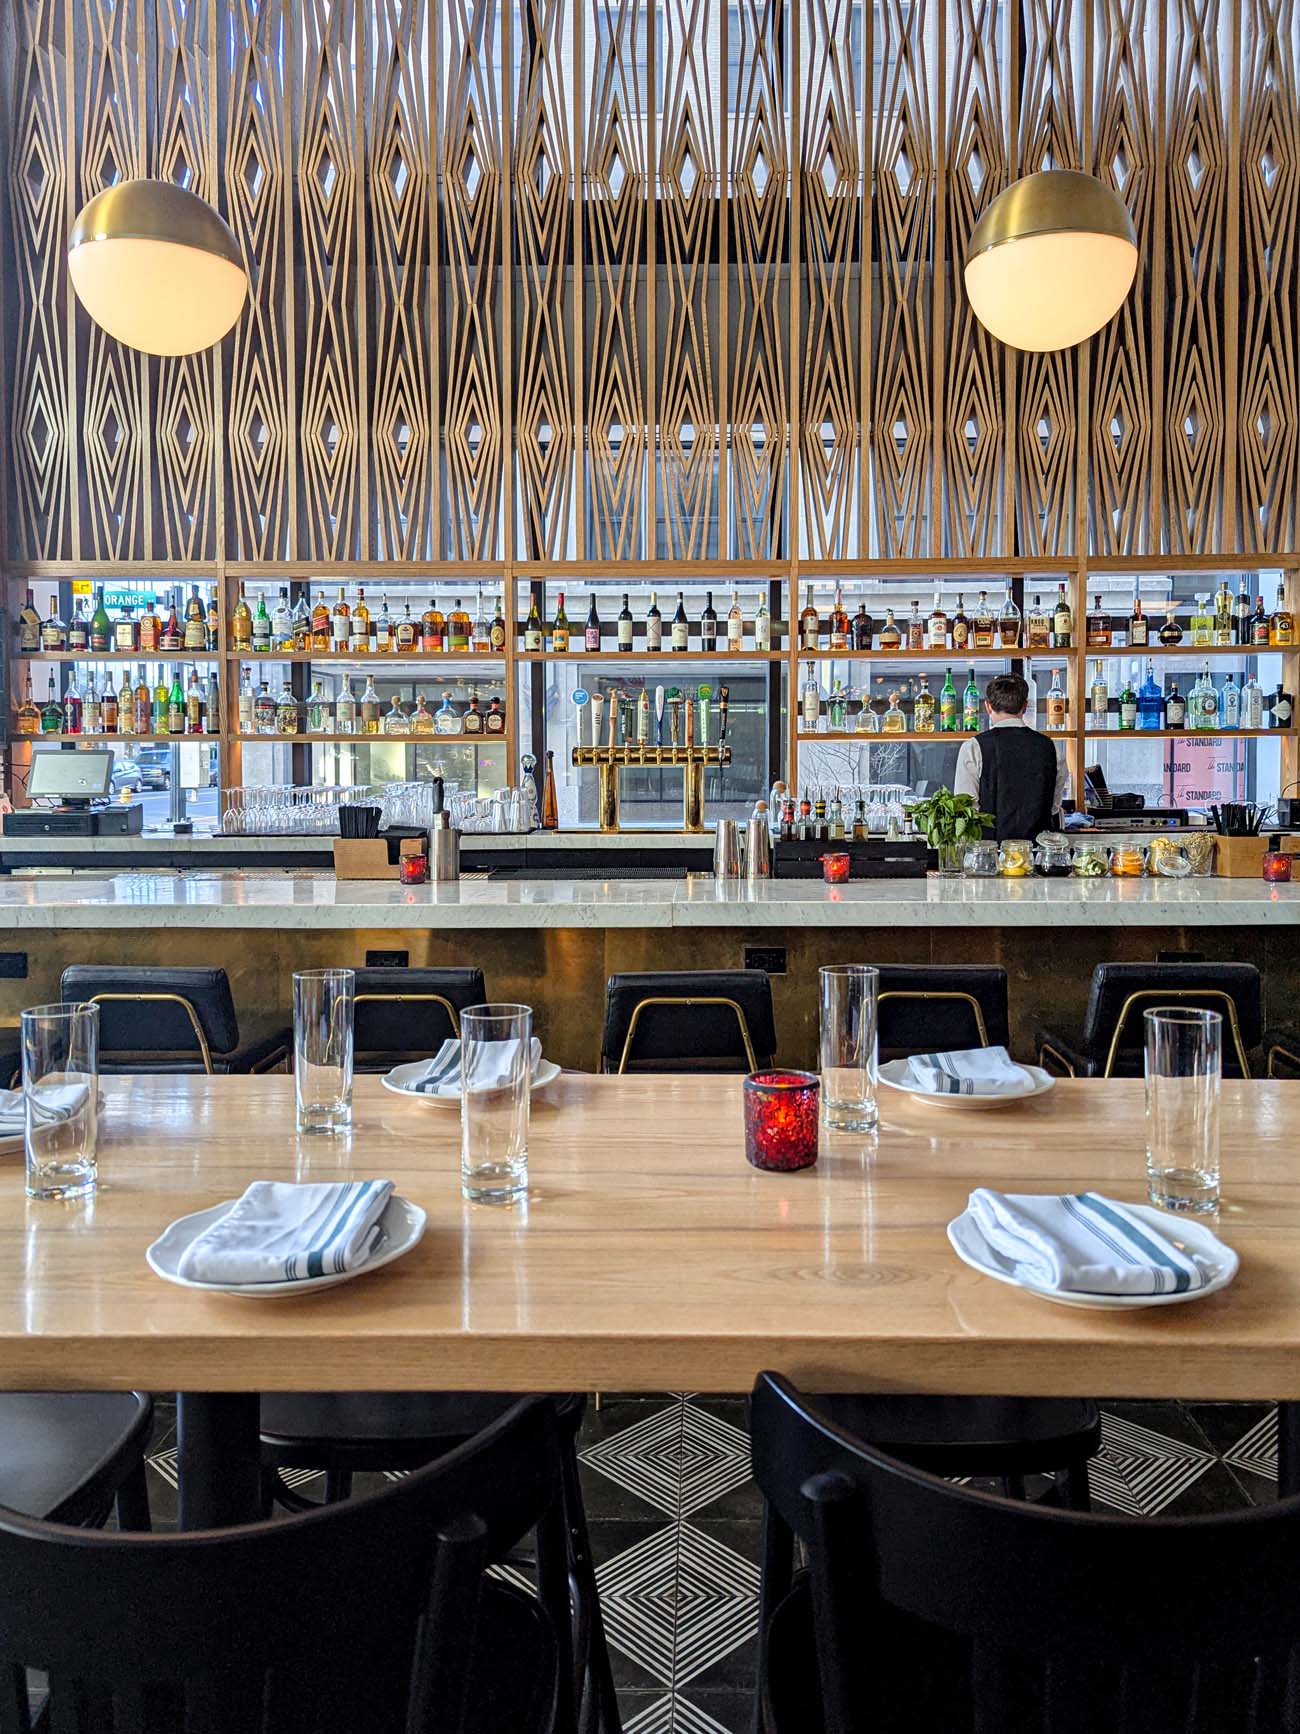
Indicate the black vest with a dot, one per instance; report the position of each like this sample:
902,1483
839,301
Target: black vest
1017,780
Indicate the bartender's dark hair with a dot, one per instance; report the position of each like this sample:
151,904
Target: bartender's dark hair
1007,694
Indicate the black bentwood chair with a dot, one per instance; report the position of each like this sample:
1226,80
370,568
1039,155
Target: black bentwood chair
407,1014
170,1020
374,1615
682,1020
1111,1044
1281,1047
74,1456
930,1606
927,1008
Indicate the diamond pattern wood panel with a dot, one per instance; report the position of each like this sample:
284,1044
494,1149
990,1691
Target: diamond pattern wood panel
548,280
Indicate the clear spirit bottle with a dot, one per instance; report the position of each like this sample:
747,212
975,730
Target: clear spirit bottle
894,722
421,717
396,722
318,711
446,719
1202,623
982,623
1056,704
1252,705
923,709
369,707
1230,704
1099,699
1009,624
345,710
1151,702
810,700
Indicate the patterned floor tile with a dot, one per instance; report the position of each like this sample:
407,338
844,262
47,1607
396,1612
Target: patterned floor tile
678,1715
1139,1471
1256,1449
678,1460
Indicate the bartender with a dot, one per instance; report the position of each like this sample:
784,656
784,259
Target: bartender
1013,771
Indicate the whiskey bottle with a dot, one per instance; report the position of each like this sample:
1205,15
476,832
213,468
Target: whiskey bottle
458,628
407,637
359,637
1009,624
472,721
196,622
345,709
1098,630
890,636
937,626
982,626
1281,623
213,625
72,708
370,708
143,706
624,627
320,624
1056,703
915,628
212,705
29,716
54,634
1038,627
433,630
654,625
242,634
839,638
533,629
421,717
497,630
1062,620
101,630
126,704
481,634
810,626
124,633
193,704
396,722
495,721
52,711
383,629
862,628
108,709
29,628
149,629
340,624
960,626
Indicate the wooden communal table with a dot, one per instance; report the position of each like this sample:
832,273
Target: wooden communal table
648,1256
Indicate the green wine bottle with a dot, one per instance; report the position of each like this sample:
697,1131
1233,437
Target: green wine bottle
101,628
948,709
970,705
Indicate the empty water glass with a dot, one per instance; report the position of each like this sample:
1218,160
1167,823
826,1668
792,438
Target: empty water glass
1184,1068
323,1017
496,1069
848,1046
60,1048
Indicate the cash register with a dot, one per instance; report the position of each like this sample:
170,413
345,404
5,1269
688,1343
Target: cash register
70,798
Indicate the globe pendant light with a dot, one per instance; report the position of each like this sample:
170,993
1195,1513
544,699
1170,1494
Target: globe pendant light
1051,260
157,267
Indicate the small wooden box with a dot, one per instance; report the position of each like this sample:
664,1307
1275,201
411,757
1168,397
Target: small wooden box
1241,857
373,857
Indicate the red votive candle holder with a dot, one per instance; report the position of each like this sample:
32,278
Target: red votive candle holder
1277,868
835,868
781,1119
413,869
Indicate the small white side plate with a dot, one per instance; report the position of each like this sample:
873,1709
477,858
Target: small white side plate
894,1074
399,1082
969,1244
402,1223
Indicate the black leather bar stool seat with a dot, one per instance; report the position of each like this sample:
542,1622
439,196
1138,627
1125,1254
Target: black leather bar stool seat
929,1008
1281,1047
68,1456
717,1020
1111,1043
407,1014
171,1020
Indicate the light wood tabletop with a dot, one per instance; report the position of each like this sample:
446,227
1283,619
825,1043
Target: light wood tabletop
648,1255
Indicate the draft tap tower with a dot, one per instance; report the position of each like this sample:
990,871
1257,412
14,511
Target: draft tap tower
687,750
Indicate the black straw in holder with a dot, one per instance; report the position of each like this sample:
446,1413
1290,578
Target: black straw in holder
359,821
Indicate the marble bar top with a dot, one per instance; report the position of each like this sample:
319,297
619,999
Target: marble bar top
318,900
164,843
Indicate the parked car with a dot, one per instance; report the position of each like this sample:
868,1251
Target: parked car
127,777
155,767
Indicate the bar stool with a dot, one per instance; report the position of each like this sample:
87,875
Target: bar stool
170,1020
71,1456
926,1008
1111,1042
688,1021
1281,1047
407,1014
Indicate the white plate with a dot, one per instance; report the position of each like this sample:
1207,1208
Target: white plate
971,1247
402,1222
894,1072
398,1081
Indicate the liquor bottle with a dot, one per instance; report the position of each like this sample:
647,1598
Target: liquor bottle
481,633
78,637
54,634
1230,704
1139,627
92,710
735,626
1062,620
893,722
196,622
193,704
970,705
1259,623
550,802
762,624
835,819
303,624
264,710
560,627
1281,624
246,703
340,624
213,625
1038,626
1151,702
960,626
839,637
1252,704
126,704
458,628
407,637
472,721
949,708
533,629
143,706
1031,702
709,624
1281,709
681,626
421,717
923,709
101,629
1098,627
396,722
162,702
212,705
915,628
345,709
891,638
1202,623
862,628
383,629
1057,706
149,629
446,720
1099,698
1128,707
810,626
176,705
835,709
1170,631
591,633
72,708
1209,701
1009,624
359,637
624,626
495,721
29,626
244,636
936,630
868,717
1241,614
654,625
433,632
28,721
369,707
171,631
497,629
1225,624
318,711
320,624
982,625
52,711
810,701
286,712
124,633
282,621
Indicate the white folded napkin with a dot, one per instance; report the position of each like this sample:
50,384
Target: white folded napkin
441,1074
49,1102
1082,1241
13,1115
968,1072
278,1232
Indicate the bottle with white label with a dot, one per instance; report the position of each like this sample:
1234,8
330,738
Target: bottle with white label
810,701
1252,705
1230,703
681,625
624,625
762,626
1176,708
245,702
345,709
1099,698
1056,705
735,625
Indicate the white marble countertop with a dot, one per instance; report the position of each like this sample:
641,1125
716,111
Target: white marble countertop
317,900
163,842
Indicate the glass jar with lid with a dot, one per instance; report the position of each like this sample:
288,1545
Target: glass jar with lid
1168,857
1090,860
1016,858
980,860
1128,861
1052,856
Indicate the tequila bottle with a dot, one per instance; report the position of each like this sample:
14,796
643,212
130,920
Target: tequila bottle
421,718
868,722
396,722
894,722
923,709
446,719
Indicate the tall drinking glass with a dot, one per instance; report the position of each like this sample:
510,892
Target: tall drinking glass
495,1080
848,1046
60,1045
1184,1065
323,1014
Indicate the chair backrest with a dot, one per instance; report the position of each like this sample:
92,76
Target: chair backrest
934,1606
1113,1033
359,1616
412,1011
150,1010
717,1020
927,1008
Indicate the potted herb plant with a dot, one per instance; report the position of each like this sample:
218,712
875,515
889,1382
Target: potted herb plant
950,822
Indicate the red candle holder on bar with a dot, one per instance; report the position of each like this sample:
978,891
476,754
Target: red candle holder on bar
413,869
781,1119
835,868
1277,868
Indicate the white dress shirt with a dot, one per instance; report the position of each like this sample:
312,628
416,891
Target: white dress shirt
970,763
